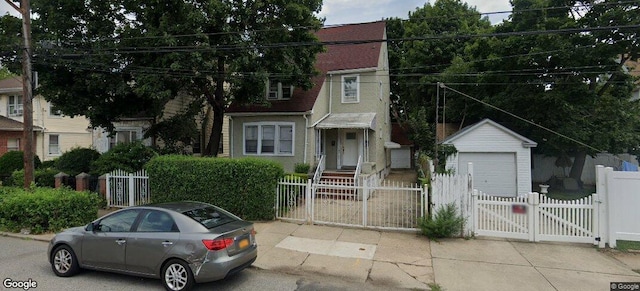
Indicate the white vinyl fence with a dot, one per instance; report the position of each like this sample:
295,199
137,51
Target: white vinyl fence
620,195
127,189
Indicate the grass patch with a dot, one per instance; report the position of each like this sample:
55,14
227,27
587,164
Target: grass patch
627,245
435,287
570,195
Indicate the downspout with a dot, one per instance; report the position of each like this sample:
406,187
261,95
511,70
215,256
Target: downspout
231,137
306,137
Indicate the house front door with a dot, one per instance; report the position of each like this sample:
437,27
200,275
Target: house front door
350,149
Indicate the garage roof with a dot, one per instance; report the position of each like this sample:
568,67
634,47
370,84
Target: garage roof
525,141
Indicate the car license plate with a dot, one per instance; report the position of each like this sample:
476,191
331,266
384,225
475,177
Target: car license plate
243,243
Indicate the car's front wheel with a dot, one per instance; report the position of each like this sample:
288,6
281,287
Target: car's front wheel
177,276
64,262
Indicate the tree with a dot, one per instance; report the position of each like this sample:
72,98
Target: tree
570,79
554,63
112,59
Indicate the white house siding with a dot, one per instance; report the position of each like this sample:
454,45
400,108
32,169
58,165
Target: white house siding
288,162
490,139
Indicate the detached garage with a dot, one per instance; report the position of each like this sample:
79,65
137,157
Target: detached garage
501,158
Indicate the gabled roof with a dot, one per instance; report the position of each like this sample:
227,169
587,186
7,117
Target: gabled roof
11,85
8,124
525,141
336,57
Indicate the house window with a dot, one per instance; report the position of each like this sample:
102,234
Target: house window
279,91
53,111
351,89
13,144
15,105
54,144
268,139
123,136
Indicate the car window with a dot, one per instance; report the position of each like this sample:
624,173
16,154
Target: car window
209,216
157,221
118,222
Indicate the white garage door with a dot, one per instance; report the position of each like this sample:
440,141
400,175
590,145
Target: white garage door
494,173
401,158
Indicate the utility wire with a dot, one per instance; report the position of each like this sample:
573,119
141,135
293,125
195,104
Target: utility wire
523,119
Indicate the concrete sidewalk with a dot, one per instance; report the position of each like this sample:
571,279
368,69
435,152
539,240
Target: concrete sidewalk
385,259
396,260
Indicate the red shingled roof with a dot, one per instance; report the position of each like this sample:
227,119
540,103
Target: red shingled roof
335,58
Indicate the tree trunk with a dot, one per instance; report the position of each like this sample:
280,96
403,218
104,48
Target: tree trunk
578,165
218,113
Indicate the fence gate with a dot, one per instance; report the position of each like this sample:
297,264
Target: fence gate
536,217
127,189
386,206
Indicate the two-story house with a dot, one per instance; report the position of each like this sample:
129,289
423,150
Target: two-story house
342,121
54,133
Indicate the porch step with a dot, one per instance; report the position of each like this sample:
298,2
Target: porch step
338,185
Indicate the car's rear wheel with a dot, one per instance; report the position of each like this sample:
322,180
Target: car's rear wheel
64,262
177,276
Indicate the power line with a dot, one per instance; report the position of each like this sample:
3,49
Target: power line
523,119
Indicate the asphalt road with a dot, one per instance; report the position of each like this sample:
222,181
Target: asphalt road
24,260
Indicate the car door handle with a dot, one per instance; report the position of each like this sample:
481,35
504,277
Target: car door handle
167,243
121,241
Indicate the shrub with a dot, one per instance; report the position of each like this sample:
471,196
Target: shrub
245,187
129,157
12,161
46,209
302,168
48,164
445,223
42,177
76,161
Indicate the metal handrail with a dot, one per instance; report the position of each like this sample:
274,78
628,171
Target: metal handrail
321,167
356,175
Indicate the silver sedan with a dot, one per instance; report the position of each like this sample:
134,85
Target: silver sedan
181,243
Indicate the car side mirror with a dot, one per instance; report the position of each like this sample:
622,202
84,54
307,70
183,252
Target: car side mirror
89,227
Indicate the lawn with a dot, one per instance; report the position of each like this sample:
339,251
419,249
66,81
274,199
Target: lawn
561,194
626,245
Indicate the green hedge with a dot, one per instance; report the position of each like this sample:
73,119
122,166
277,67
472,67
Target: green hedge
245,187
76,161
46,209
42,177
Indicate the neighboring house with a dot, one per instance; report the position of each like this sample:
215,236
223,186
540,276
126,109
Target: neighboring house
501,158
344,117
54,133
132,129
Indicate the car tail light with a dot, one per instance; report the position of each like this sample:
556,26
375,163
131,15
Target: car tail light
217,244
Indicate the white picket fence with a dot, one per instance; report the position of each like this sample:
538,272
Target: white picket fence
534,217
127,189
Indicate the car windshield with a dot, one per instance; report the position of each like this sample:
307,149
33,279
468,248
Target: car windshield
209,216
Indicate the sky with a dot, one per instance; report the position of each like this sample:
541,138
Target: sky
355,11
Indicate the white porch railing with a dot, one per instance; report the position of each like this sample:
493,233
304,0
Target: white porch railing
356,174
321,167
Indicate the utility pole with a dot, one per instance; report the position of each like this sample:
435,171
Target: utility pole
27,90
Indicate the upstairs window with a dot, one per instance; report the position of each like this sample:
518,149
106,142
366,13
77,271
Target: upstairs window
14,107
53,111
279,91
351,89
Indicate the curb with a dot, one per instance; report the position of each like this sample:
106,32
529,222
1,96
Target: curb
25,236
